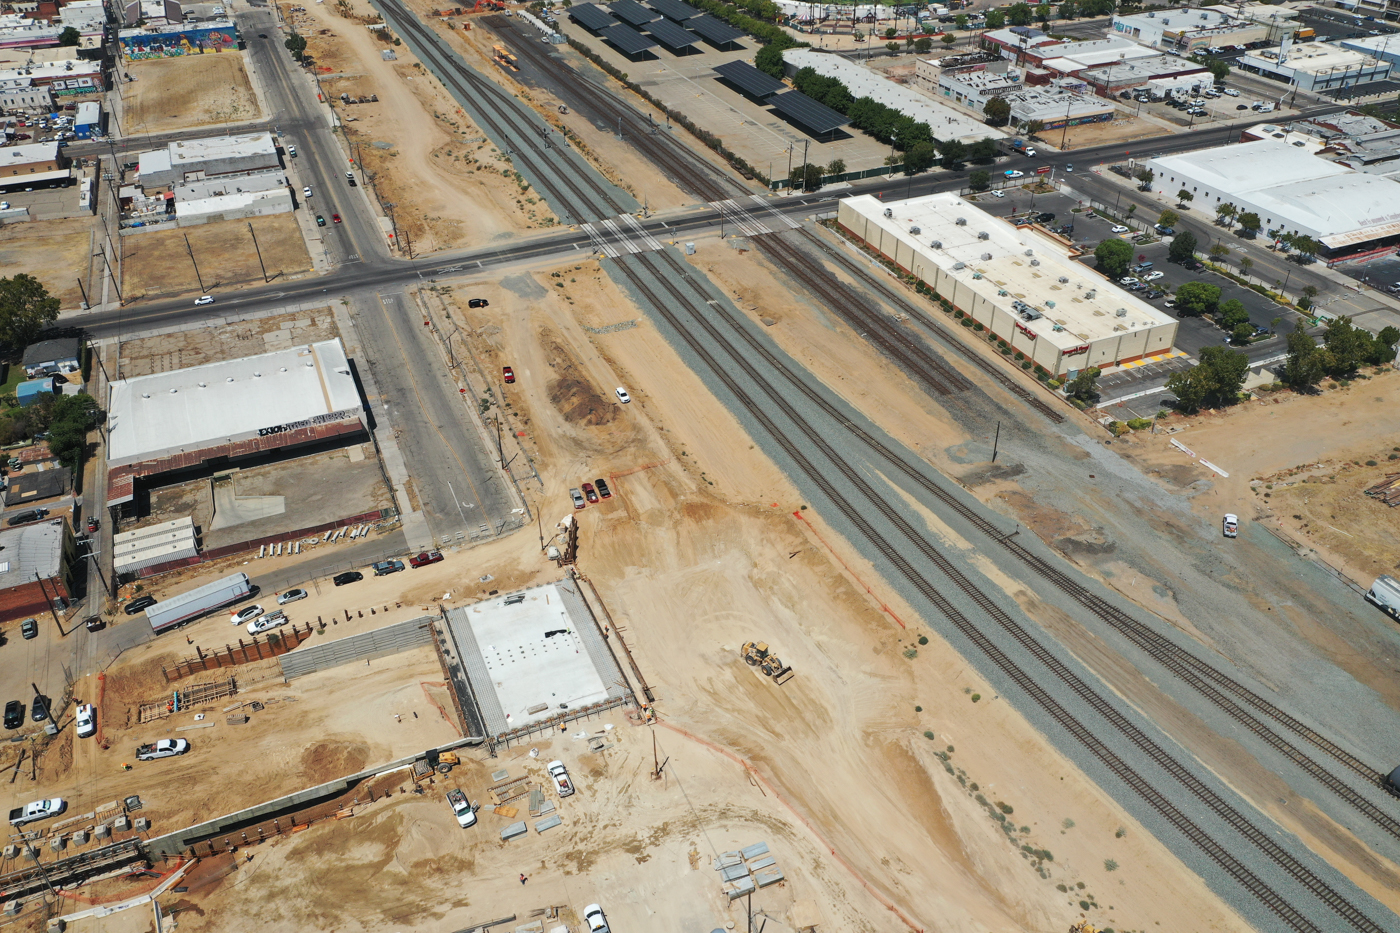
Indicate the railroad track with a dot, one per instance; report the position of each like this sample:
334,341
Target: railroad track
803,443
801,438
1216,686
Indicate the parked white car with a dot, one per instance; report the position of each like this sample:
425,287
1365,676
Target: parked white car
622,394
1117,228
560,776
1152,276
1012,173
593,916
998,194
1231,525
246,614
86,720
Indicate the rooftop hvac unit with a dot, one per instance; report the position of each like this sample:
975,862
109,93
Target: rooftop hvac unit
986,257
1091,293
1001,292
1064,280
1057,327
976,275
984,235
959,265
889,212
1030,252
1121,312
1035,262
915,230
1050,304
961,221
937,244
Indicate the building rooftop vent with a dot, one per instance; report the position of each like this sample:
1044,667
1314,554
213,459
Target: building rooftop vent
959,265
937,244
1064,280
984,235
1030,252
1121,312
1035,262
915,230
889,212
1091,293
986,257
962,221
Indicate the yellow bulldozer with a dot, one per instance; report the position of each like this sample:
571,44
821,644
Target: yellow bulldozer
756,654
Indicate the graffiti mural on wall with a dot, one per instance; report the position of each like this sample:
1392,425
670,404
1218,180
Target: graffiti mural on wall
176,43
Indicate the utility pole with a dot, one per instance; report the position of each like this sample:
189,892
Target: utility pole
409,241
83,292
996,441
500,451
257,250
192,262
43,589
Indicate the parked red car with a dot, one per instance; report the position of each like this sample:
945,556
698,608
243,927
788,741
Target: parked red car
589,492
508,374
425,558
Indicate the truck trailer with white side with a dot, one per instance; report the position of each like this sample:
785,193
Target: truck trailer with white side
1385,595
171,612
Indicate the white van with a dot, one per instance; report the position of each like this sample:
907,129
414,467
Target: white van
1384,594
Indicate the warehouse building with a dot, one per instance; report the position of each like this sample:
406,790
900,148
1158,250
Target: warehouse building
190,159
1292,190
969,87
1317,66
38,569
1057,109
34,164
154,544
1021,286
173,425
232,198
1189,30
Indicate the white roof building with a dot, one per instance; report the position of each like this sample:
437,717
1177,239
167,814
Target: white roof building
1290,189
1017,283
945,122
1317,66
215,406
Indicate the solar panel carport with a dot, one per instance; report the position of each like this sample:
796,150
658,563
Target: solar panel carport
674,9
630,11
817,117
672,35
591,17
714,30
750,80
628,40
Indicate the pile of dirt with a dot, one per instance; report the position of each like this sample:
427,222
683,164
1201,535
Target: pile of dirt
328,760
130,686
580,403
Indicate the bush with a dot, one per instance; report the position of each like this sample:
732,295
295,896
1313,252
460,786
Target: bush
1026,364
923,639
929,736
1138,424
967,322
976,697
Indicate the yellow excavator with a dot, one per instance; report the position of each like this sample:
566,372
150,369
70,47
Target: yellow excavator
1083,926
756,654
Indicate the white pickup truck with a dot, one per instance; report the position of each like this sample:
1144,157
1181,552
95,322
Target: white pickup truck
38,810
461,808
165,748
560,774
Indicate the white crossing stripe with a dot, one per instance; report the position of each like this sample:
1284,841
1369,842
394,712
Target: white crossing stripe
768,205
639,232
747,224
599,243
625,243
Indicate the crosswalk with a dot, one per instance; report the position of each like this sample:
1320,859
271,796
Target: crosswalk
612,238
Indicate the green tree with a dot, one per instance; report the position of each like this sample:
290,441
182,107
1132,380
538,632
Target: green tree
998,111
769,60
1245,265
954,152
26,308
1034,126
1196,299
948,39
1068,10
1349,345
1305,365
1113,256
1225,213
891,33
1184,197
1250,222
1215,381
69,37
919,157
71,417
809,177
1219,251
923,45
1242,334
1042,13
1218,69
1305,300
1168,219
980,180
892,46
836,167
1084,386
1383,345
1183,247
296,45
1144,175
983,152
1232,314
1020,14
1307,247
996,19
960,20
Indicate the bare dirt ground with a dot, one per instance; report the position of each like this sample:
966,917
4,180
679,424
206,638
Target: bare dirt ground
53,251
165,352
1281,474
450,186
158,264
192,90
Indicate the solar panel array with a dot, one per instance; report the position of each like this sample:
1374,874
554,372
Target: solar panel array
674,9
630,11
749,79
714,30
591,17
628,40
817,117
672,35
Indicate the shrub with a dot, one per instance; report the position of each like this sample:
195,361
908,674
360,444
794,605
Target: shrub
1371,463
1026,364
923,639
977,325
967,322
929,736
1110,865
1005,807
918,709
976,697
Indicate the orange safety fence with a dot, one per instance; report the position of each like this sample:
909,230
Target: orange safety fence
129,893
854,576
757,776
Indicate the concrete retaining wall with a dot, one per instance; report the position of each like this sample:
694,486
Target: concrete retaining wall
381,642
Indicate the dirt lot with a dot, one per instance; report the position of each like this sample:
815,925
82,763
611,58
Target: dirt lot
1270,449
158,264
451,188
192,90
163,353
54,251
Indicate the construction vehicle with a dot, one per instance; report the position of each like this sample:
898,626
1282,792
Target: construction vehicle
504,58
1083,926
447,761
756,654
